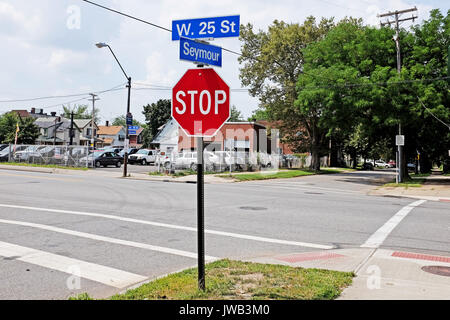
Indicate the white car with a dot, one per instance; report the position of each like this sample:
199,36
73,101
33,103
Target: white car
381,164
143,156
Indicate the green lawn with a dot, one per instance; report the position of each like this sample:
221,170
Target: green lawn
282,174
229,280
21,164
408,183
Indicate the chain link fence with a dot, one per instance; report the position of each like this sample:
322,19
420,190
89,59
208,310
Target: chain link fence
68,156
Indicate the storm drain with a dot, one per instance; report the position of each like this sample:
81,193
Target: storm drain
253,208
313,193
437,270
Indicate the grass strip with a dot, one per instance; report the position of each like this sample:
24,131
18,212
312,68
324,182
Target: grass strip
54,166
283,174
229,280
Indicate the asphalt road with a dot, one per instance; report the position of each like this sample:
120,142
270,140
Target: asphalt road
115,232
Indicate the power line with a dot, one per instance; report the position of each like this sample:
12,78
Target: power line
61,96
429,111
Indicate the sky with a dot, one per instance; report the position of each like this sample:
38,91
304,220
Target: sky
48,46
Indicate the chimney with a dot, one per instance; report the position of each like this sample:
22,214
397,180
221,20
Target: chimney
33,110
41,111
53,114
107,123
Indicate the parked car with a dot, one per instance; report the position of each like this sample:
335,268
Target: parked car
25,154
111,149
143,156
102,158
4,154
367,166
381,164
130,152
42,155
411,166
392,164
3,146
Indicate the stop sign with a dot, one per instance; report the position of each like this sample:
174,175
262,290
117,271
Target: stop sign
201,102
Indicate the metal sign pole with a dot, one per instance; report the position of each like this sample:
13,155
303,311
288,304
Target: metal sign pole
200,215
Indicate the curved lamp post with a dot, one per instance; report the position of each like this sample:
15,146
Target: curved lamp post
125,156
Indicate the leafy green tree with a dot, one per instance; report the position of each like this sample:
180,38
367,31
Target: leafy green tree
271,64
236,115
28,131
156,115
122,121
81,112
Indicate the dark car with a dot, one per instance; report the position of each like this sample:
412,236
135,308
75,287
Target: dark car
367,166
108,158
130,151
102,158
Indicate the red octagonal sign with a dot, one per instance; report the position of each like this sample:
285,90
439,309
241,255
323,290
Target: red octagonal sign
201,102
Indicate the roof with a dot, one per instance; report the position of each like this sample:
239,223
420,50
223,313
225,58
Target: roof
108,140
81,123
50,122
21,113
109,130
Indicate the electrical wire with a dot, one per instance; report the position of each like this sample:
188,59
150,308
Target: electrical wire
429,111
61,96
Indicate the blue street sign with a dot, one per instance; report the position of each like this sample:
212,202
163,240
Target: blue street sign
218,27
200,52
132,132
129,119
133,127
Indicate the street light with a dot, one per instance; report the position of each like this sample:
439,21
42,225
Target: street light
125,156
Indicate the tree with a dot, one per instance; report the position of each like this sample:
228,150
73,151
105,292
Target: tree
28,131
121,121
271,64
81,112
236,115
156,115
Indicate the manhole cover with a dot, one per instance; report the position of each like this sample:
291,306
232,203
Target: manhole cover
253,208
438,270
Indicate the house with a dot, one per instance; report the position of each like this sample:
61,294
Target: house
136,140
234,136
113,136
85,126
56,130
166,139
21,113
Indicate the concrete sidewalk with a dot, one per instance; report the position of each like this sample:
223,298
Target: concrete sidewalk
435,188
380,274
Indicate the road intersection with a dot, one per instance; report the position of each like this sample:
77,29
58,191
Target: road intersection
62,234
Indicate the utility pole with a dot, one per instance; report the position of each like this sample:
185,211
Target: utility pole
396,15
93,99
71,129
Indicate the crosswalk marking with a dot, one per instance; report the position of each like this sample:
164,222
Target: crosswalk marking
172,226
107,239
377,239
91,271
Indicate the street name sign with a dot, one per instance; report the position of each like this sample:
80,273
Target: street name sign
129,119
201,102
133,129
217,27
195,51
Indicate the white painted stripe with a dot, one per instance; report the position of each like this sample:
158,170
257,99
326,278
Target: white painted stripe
95,272
172,226
377,239
107,239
